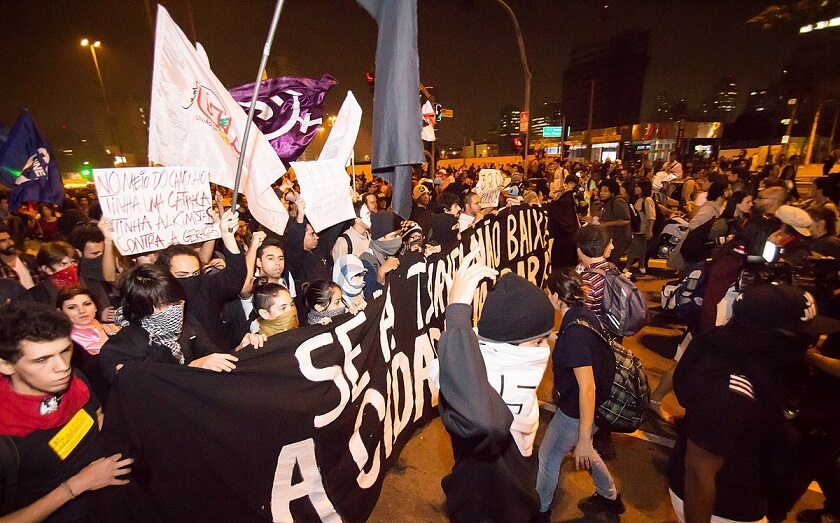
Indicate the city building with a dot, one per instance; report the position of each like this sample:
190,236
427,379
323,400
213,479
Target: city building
509,130
607,80
548,114
720,106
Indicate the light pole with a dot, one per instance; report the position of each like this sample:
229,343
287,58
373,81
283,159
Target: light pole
93,45
527,72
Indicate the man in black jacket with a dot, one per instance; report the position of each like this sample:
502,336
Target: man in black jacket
488,395
208,293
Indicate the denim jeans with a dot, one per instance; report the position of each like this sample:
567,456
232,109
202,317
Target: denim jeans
560,439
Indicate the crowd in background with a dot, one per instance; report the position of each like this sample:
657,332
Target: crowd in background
198,304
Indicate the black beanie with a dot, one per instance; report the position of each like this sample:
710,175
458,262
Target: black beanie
515,310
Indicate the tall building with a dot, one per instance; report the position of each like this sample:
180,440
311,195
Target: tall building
547,114
508,130
720,105
760,101
611,76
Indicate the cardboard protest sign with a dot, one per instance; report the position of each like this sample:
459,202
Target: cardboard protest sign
490,182
154,207
325,186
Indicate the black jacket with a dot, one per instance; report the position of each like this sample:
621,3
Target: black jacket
131,344
206,302
491,480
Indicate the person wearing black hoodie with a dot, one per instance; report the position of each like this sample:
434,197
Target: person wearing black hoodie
488,398
304,263
733,455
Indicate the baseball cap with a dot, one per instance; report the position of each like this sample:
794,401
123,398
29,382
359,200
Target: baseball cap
779,306
795,217
662,176
420,190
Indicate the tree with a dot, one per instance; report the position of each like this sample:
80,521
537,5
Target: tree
795,11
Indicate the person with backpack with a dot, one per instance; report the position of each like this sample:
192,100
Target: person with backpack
643,218
720,287
583,373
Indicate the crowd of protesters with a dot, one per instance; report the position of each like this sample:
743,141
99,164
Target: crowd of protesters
73,302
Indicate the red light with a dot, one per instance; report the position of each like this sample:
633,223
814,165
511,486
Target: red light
517,142
369,78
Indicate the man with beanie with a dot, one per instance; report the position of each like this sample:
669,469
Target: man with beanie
732,461
420,212
488,400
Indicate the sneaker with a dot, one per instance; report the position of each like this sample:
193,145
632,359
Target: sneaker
642,271
598,503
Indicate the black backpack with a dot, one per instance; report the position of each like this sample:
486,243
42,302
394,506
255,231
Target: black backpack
696,246
624,408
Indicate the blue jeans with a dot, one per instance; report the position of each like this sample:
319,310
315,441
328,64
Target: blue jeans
560,439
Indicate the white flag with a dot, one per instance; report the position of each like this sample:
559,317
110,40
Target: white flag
194,120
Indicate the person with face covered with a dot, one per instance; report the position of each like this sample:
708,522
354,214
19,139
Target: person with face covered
94,249
487,379
155,328
59,261
324,302
275,308
207,294
349,274
379,260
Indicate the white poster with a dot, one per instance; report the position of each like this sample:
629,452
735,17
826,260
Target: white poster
154,207
490,182
345,129
325,186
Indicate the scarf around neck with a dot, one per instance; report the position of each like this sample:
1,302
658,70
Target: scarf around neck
21,413
165,327
315,316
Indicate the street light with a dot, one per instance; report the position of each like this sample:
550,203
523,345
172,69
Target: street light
523,57
93,46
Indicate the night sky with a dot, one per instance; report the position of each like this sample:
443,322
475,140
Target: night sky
468,54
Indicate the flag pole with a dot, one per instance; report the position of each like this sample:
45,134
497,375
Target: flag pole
260,72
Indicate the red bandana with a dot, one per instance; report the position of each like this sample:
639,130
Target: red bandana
65,277
20,415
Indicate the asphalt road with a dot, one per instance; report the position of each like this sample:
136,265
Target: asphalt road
412,492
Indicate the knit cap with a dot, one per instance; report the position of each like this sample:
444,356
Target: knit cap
515,310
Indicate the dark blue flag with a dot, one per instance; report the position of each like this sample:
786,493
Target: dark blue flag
28,166
396,104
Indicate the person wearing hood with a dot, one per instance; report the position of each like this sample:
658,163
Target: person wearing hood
733,459
349,275
379,260
207,294
355,239
487,380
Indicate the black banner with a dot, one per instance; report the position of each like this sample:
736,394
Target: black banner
306,427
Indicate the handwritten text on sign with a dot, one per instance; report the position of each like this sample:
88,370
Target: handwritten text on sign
154,207
489,186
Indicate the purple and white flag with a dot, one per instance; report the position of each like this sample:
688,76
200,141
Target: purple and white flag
289,111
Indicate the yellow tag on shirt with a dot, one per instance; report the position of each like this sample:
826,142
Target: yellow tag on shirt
69,437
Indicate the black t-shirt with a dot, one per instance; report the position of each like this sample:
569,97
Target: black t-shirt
578,346
728,421
42,469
